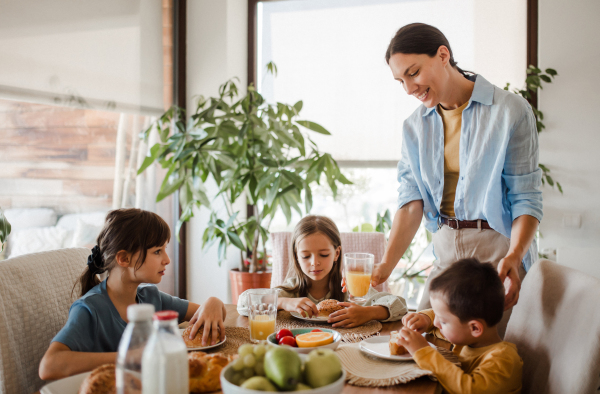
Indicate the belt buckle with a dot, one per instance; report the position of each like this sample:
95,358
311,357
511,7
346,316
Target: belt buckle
457,225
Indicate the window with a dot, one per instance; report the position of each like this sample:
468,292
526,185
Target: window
331,55
78,83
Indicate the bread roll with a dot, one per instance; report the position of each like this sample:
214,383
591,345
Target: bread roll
197,341
327,307
205,370
102,380
395,348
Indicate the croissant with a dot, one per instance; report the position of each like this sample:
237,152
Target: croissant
205,371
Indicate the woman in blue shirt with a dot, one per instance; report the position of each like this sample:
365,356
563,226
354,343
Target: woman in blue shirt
131,248
491,208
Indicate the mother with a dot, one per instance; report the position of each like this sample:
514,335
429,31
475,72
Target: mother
469,164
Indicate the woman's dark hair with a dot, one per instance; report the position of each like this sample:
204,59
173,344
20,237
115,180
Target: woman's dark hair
132,230
471,290
309,225
420,39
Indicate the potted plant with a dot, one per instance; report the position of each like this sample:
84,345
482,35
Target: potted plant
4,229
253,150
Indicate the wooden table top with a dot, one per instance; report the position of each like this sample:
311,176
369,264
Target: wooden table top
422,385
419,386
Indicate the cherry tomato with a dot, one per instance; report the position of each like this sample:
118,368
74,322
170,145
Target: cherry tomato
290,341
317,330
283,333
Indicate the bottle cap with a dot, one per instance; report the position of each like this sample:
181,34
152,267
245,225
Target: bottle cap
166,315
140,312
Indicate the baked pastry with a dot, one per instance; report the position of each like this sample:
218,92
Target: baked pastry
205,370
102,380
327,307
197,341
395,348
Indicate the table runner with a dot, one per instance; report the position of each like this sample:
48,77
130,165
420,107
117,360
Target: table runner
370,371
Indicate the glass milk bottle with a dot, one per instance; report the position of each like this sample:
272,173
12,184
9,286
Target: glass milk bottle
165,362
131,346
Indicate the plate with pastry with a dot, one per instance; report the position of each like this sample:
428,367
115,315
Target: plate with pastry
100,380
384,346
325,307
196,343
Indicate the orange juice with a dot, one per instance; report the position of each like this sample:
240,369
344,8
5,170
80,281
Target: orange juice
261,326
358,283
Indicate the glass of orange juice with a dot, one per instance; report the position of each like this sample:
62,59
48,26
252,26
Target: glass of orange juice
262,315
358,268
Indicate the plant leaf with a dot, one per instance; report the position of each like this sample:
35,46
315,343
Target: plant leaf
313,126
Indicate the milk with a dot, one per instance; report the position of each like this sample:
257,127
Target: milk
165,362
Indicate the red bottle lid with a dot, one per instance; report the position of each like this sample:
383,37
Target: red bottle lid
166,315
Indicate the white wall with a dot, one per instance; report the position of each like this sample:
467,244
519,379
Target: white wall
216,51
569,38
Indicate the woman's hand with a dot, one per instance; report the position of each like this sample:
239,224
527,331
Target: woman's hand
381,272
211,314
508,270
416,321
411,340
355,315
304,306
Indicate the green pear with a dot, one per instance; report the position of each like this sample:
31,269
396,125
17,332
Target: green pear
259,383
302,386
283,367
322,367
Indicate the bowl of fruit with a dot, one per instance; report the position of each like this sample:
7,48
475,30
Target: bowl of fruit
265,367
303,340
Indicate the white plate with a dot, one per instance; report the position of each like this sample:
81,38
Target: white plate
379,347
192,349
68,385
319,319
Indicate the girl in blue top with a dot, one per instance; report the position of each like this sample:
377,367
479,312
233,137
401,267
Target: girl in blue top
469,165
131,247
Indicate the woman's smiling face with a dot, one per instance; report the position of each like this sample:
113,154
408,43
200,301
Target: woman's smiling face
422,76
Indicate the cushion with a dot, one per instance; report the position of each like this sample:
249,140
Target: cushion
30,217
37,239
69,221
85,234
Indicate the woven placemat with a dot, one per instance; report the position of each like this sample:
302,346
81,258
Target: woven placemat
349,335
236,336
369,371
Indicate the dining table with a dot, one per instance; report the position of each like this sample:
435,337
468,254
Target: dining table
422,385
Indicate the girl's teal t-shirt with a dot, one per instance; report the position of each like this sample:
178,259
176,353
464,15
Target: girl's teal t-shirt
94,324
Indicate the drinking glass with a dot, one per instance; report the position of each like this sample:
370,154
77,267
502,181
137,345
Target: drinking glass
358,268
262,305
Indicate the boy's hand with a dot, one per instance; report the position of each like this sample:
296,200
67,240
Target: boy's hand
211,314
351,316
304,306
416,321
411,340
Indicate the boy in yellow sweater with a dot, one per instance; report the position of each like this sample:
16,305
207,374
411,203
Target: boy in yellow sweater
467,304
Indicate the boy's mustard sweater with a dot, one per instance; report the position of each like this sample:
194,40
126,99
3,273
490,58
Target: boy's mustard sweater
491,369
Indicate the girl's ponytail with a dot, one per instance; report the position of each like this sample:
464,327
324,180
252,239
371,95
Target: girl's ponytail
95,266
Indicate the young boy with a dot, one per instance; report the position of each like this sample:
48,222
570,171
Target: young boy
467,303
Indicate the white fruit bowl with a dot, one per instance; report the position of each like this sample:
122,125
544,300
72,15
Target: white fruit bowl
230,388
337,338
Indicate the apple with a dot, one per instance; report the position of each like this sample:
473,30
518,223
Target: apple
290,341
283,333
322,367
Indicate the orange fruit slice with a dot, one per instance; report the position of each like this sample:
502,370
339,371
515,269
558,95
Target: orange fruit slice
313,339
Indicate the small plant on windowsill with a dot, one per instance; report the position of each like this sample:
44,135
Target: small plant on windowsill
254,151
4,229
533,82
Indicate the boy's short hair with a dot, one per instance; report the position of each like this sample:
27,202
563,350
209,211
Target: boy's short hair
472,290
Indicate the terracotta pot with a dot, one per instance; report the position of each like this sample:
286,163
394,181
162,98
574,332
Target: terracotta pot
242,281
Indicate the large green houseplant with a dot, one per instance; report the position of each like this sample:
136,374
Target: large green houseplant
4,229
252,150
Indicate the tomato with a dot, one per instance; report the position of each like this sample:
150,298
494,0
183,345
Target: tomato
290,341
283,333
317,330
